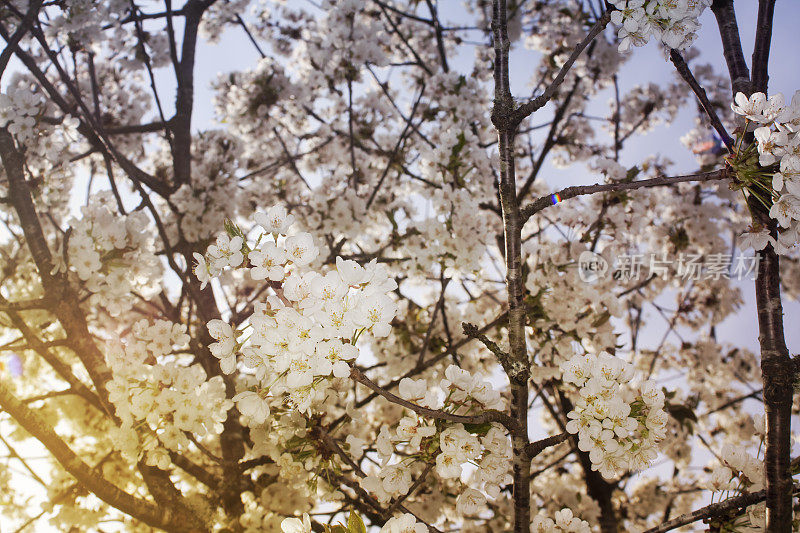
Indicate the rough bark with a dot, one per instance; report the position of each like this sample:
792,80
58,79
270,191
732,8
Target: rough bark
766,10
732,45
184,100
506,125
776,366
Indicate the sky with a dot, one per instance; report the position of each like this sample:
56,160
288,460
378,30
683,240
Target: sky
648,64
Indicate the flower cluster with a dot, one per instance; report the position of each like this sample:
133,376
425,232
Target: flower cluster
112,254
448,446
453,239
345,37
740,471
565,522
248,95
158,400
48,144
566,307
673,22
297,525
307,331
617,426
374,121
19,109
404,523
80,22
778,143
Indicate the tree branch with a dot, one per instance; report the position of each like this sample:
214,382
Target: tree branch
147,512
19,33
487,416
766,10
417,483
715,509
184,100
513,368
67,307
776,365
581,190
535,448
549,142
437,27
333,446
24,305
506,121
540,101
87,127
732,45
700,93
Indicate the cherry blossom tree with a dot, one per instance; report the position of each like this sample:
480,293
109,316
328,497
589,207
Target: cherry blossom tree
364,299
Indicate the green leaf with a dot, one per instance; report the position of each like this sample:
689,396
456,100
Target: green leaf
632,173
478,429
355,524
678,237
602,319
235,231
462,80
232,229
683,414
433,445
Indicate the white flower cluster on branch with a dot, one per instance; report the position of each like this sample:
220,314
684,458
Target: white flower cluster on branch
19,109
158,400
48,144
405,523
739,471
617,425
777,139
307,332
564,522
449,447
313,373
112,254
673,22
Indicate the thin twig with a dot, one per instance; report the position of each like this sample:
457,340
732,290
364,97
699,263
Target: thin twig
700,93
535,448
420,480
540,101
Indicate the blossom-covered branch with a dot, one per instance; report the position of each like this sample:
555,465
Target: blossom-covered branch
482,418
719,509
